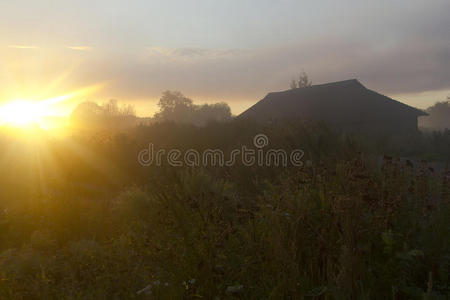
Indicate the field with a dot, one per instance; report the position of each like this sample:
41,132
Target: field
361,218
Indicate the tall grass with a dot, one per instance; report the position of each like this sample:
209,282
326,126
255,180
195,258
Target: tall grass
343,227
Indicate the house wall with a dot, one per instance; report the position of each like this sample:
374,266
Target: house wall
381,125
400,125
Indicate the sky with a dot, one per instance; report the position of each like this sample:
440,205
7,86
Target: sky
234,51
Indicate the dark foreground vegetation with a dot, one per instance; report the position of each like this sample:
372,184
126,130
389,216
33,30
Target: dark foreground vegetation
81,219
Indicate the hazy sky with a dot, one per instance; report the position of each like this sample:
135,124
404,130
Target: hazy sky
230,50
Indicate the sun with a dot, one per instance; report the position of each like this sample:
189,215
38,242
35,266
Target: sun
44,113
23,112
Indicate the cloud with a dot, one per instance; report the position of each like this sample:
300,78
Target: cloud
22,47
408,66
80,48
187,54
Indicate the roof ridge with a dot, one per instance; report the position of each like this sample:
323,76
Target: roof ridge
347,82
412,108
353,80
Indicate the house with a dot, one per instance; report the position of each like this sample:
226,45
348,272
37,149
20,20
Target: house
345,104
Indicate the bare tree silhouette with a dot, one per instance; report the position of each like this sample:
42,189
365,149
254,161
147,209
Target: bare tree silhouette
301,81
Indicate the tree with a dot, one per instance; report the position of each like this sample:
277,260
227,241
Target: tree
86,113
112,109
174,106
302,81
219,112
92,115
438,116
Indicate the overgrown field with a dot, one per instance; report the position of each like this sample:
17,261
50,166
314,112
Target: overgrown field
81,219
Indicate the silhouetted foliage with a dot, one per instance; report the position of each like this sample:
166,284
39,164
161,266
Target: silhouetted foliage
439,116
175,107
90,115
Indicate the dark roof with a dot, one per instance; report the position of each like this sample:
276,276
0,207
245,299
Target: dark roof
336,102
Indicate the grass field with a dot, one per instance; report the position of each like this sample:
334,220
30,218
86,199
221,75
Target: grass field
81,219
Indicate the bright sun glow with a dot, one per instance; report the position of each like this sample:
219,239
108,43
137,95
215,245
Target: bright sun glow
23,112
26,113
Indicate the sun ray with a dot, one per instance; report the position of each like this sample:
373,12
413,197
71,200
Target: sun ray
57,81
78,93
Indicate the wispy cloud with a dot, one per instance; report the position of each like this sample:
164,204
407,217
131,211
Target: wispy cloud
80,48
22,47
190,54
